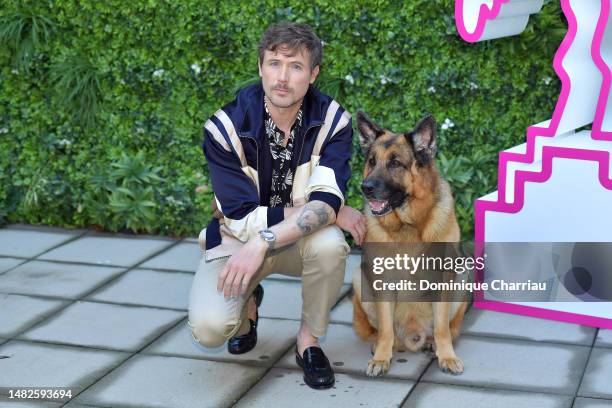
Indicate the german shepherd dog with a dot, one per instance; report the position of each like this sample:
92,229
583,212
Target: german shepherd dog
408,202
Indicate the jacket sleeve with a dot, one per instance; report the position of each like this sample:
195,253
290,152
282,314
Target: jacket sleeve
235,192
328,181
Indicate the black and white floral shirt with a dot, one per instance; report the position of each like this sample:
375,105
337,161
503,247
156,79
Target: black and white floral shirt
282,175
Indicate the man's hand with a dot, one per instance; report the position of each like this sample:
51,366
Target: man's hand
352,221
236,276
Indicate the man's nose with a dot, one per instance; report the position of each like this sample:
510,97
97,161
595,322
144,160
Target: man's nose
283,75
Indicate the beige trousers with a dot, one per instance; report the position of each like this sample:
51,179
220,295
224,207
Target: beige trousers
319,258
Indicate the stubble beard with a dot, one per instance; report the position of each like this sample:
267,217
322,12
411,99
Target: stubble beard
281,103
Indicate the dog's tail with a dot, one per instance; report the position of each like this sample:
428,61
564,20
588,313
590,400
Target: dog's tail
361,324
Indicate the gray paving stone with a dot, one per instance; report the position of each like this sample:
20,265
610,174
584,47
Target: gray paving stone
516,365
5,402
28,243
8,263
597,377
106,326
604,338
182,257
73,404
107,250
56,279
283,299
285,388
434,396
157,381
343,312
273,339
592,403
348,354
50,365
149,288
490,323
17,312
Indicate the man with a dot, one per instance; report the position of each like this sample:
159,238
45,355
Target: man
278,158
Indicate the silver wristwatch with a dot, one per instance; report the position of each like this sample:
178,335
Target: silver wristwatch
268,236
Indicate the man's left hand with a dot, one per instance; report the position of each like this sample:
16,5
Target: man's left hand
353,222
236,276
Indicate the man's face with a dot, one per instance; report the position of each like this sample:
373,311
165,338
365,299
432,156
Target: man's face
286,75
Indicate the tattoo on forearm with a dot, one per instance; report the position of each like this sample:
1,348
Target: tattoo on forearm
314,216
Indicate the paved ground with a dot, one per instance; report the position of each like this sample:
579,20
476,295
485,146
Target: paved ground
105,316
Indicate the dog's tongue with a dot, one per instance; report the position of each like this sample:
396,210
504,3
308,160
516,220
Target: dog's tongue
378,205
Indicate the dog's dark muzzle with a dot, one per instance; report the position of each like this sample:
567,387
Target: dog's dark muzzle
371,188
381,196
376,194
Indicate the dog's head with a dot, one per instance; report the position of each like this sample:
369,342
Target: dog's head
399,167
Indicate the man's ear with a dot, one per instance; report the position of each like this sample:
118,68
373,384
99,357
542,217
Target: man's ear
368,131
259,67
314,74
424,140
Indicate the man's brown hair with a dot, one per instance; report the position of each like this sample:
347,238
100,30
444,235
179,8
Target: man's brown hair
295,36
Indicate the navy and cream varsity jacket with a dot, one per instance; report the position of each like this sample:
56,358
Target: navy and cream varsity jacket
240,165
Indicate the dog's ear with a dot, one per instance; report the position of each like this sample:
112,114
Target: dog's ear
368,131
424,140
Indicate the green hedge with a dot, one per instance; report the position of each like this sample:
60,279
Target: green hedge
102,103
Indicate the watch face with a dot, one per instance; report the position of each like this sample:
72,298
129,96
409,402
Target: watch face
267,235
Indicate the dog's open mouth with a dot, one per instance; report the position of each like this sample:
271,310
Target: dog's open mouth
379,207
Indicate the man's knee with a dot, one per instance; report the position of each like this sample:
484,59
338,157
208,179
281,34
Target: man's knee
327,243
212,332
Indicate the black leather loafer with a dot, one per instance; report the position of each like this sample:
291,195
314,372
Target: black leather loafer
246,342
318,373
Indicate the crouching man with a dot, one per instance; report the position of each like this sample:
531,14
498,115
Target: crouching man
278,158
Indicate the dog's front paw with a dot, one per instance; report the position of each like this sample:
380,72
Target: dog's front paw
377,368
452,365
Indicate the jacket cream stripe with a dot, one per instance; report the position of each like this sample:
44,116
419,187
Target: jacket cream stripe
329,118
249,225
342,122
237,145
216,134
231,131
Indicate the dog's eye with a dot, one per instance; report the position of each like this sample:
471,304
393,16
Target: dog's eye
372,161
395,163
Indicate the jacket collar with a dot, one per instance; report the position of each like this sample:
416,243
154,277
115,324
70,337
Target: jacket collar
251,101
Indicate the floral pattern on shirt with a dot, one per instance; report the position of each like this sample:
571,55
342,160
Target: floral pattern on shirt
282,175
